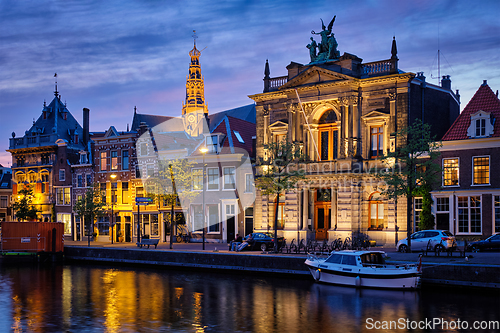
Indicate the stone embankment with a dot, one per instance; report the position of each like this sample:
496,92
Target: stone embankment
440,271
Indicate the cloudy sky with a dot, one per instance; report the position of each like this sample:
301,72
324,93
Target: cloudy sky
113,55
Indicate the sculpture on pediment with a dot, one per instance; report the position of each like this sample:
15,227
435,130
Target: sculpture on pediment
327,49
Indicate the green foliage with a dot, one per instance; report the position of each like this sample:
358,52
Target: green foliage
91,205
278,172
413,164
23,206
175,177
426,216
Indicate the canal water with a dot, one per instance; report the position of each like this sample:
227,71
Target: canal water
81,298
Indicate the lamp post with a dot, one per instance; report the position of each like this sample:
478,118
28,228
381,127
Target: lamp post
204,150
113,176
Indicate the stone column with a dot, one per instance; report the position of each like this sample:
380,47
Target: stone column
305,208
333,209
344,126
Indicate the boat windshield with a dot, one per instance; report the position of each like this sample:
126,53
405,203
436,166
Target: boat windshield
340,259
372,259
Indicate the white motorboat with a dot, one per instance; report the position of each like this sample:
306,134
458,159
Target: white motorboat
363,269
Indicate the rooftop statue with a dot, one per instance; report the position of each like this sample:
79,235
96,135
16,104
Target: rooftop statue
327,49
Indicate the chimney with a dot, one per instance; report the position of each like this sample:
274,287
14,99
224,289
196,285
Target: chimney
86,138
446,82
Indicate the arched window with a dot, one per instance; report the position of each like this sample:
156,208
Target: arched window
328,136
376,212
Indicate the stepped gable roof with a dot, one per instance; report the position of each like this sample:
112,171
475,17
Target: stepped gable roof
238,133
54,122
246,113
485,100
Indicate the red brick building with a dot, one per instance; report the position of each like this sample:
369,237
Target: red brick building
468,201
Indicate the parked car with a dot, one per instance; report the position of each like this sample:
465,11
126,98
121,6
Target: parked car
437,240
490,243
262,241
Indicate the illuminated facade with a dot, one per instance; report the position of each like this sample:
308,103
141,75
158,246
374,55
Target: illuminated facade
344,113
43,158
467,200
5,193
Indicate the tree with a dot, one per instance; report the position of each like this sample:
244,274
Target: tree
411,166
278,173
24,207
173,183
89,207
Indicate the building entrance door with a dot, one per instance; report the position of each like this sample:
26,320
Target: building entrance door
322,220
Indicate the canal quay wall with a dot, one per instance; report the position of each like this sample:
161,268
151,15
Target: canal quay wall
436,271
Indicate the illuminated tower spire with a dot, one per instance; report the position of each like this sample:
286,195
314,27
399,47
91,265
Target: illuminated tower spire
195,90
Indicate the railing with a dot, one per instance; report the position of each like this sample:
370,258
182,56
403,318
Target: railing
276,82
32,141
377,67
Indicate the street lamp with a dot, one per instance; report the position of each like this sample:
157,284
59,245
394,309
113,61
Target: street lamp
203,150
113,176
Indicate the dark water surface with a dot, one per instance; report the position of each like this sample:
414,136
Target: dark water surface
80,298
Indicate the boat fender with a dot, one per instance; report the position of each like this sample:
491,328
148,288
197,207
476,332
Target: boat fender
358,281
317,275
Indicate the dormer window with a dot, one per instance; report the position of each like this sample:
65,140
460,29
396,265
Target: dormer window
213,144
481,125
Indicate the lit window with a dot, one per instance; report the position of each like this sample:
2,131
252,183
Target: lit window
376,213
376,141
125,198
63,196
481,166
103,160
197,179
114,160
450,172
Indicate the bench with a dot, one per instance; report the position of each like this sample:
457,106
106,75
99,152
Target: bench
148,242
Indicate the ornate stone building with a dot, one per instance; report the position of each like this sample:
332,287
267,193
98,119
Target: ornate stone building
44,156
343,113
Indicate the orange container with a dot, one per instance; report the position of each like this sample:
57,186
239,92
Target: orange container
33,236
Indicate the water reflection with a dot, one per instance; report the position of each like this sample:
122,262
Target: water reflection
89,298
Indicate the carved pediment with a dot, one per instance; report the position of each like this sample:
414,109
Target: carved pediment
277,125
375,115
315,75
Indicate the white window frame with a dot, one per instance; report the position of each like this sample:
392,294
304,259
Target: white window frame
458,171
66,198
489,170
229,175
62,175
217,178
252,189
207,207
457,225
195,174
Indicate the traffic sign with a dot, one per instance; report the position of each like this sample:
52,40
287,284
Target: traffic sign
143,199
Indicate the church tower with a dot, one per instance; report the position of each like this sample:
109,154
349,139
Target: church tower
194,110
